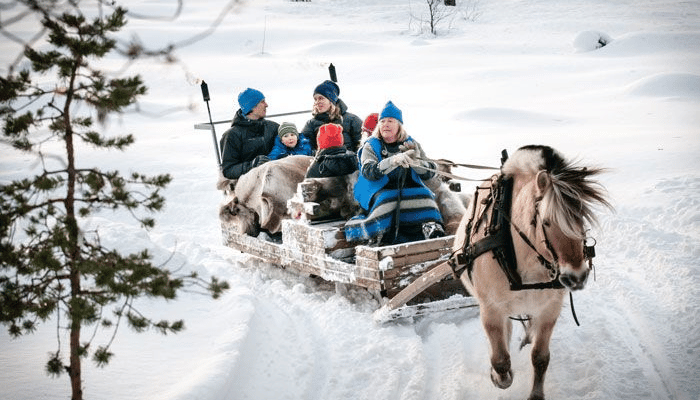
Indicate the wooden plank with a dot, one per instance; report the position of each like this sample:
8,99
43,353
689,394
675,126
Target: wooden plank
268,251
423,282
321,237
379,253
331,270
412,259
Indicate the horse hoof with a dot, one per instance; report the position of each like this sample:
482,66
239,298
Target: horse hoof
502,381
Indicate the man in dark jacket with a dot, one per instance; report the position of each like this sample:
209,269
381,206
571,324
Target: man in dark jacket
251,137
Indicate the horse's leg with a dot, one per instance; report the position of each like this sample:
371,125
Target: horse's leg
497,328
542,330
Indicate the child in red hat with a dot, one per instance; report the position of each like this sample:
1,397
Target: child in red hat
332,158
369,125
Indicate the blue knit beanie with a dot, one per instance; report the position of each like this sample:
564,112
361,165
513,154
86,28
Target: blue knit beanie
329,90
391,111
248,99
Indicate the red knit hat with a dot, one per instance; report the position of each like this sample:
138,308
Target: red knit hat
329,135
370,122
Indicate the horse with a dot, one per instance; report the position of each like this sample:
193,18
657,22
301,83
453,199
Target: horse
522,246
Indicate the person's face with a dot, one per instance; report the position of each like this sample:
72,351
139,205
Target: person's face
321,104
389,129
290,140
259,111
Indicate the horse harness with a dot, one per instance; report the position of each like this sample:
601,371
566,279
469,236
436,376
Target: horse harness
499,241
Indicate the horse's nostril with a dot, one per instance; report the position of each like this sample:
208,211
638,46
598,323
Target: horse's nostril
573,282
565,280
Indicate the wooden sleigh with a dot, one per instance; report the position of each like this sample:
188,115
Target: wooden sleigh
409,279
311,246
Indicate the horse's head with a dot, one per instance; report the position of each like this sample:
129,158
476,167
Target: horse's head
558,202
559,237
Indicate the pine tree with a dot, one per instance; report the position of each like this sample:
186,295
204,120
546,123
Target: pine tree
51,267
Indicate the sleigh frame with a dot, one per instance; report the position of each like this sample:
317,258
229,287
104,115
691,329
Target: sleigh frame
313,247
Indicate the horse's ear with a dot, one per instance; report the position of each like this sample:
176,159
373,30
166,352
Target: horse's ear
543,181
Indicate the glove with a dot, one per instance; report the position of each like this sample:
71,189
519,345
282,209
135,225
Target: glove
418,164
258,161
397,160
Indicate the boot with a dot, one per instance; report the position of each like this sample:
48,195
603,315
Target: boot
432,230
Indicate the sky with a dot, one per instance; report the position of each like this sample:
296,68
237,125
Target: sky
499,75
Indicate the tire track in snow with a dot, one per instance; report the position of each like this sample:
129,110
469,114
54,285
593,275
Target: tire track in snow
279,358
653,275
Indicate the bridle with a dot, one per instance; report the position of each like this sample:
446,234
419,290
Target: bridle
551,266
499,241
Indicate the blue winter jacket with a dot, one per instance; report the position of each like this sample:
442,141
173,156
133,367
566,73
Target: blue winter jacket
303,148
365,188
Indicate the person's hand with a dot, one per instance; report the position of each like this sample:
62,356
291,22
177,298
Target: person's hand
397,160
258,161
407,146
417,163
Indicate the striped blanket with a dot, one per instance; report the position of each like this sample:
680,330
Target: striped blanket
417,206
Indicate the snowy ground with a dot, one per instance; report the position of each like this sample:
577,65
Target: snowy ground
521,73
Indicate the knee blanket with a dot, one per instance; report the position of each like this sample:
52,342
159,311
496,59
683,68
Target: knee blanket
417,206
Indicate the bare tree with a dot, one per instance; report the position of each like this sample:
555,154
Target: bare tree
438,12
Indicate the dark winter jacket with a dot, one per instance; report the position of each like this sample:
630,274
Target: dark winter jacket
303,148
351,123
333,161
245,140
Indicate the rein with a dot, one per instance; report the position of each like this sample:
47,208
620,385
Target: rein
451,164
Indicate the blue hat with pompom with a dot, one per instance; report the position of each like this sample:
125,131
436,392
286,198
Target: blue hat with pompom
391,111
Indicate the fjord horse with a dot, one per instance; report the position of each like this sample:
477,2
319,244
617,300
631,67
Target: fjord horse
533,254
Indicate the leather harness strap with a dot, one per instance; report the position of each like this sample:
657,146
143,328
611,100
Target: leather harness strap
498,240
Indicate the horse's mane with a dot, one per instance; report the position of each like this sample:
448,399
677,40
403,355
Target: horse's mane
570,201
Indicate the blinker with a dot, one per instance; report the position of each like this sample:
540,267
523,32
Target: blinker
588,251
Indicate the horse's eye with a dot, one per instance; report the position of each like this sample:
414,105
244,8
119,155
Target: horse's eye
546,223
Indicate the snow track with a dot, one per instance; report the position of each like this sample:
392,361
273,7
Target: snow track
648,290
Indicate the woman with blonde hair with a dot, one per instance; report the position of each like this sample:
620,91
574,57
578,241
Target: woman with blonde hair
397,205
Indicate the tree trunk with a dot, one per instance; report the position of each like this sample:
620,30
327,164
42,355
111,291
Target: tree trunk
74,369
74,243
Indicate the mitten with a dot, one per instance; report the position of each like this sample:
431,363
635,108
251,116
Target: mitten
259,160
417,163
397,160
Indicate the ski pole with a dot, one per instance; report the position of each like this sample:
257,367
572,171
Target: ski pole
205,125
331,72
205,95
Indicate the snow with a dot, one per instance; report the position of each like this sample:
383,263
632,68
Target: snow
521,73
